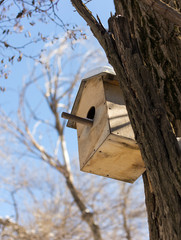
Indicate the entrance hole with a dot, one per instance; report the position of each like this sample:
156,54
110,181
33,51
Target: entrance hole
91,113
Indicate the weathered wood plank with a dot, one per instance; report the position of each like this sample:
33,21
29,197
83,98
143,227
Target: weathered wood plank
91,138
117,158
117,113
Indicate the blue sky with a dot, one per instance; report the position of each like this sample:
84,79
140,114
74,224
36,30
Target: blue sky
69,15
19,70
100,7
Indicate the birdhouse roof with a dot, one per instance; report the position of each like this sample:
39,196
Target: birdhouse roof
105,75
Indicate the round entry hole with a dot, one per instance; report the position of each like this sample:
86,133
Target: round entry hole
91,113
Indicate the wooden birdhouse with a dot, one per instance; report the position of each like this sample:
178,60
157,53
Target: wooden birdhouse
105,136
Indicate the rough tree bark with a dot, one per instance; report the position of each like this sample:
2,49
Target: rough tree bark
143,45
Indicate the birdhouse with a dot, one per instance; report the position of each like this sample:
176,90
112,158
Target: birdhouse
105,137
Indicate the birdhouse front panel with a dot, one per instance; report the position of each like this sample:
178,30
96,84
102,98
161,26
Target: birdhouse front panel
93,102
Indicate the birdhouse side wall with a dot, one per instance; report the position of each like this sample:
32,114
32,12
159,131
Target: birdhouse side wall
90,138
117,113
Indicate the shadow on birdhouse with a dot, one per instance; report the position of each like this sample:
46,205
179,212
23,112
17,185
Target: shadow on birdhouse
105,136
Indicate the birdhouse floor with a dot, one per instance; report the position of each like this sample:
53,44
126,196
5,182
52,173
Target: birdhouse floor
118,158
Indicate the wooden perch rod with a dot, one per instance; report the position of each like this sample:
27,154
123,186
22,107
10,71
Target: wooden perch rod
80,120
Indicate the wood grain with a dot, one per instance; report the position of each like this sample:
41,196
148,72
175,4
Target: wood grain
117,158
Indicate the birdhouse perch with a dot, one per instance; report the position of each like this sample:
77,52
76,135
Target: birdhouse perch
105,137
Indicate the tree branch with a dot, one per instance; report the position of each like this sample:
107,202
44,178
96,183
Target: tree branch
15,205
97,29
20,230
104,37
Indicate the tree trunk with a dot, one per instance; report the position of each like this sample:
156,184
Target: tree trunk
153,132
87,216
145,50
150,51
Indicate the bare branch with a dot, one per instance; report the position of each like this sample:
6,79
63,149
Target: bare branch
97,29
104,37
16,228
15,205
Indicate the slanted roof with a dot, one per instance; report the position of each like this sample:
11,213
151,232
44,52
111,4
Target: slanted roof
105,75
